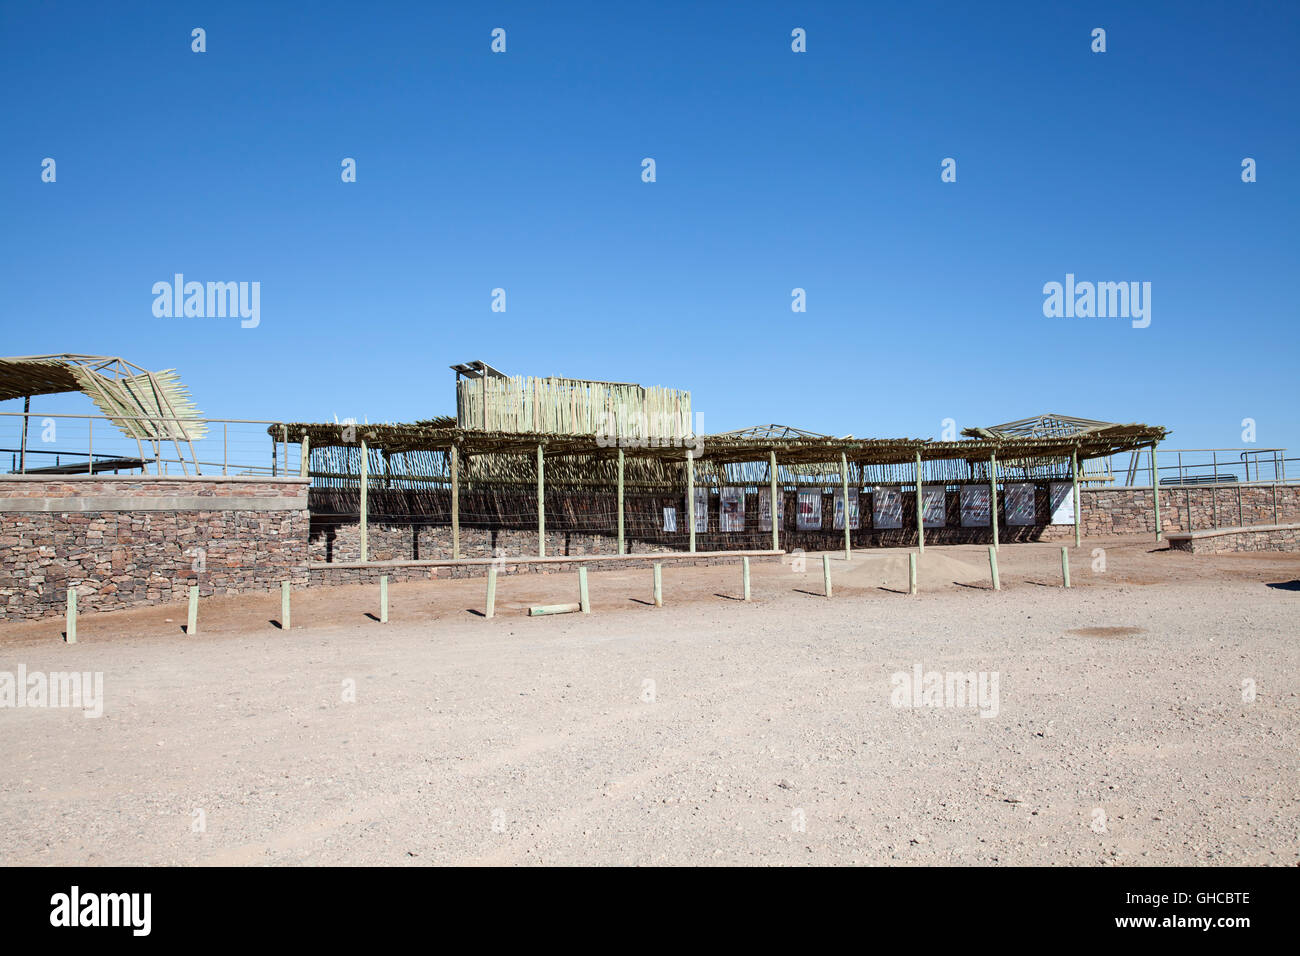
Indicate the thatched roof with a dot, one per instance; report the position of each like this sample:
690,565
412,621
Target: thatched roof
723,449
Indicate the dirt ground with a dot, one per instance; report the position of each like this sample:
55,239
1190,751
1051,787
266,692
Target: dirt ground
1146,716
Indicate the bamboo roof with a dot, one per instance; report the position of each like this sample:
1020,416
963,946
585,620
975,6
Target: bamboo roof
722,449
143,404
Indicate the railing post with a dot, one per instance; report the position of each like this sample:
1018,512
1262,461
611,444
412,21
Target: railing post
90,459
1155,488
225,448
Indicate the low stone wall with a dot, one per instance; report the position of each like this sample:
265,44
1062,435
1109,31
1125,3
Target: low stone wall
356,573
1108,511
1225,540
132,540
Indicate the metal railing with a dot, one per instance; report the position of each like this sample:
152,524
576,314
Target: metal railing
55,444
1201,466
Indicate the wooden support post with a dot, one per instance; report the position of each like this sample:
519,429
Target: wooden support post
192,621
284,432
583,600
744,574
90,449
620,503
490,609
993,496
1155,490
826,573
659,585
776,509
541,502
690,494
285,623
383,599
844,490
365,459
1065,566
455,502
22,445
993,567
70,631
920,507
911,573
304,455
1078,505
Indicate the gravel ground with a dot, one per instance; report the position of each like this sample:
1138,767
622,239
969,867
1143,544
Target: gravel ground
706,731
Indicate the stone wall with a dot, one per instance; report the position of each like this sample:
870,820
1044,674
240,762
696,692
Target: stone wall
132,540
1274,538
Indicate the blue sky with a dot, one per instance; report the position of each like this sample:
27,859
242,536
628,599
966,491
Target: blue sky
775,170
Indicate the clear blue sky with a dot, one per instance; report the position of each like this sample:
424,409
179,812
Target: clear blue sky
775,170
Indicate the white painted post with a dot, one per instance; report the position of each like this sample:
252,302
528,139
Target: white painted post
745,575
383,599
192,622
491,608
826,573
911,573
659,585
583,599
71,630
285,624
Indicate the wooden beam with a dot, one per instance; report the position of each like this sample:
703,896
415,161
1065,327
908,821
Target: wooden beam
993,495
541,502
305,455
920,505
553,609
365,458
620,503
455,503
775,505
844,490
690,496
1078,505
1155,491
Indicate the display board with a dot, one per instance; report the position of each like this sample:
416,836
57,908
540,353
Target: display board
935,508
1062,502
765,509
854,518
974,506
1019,505
731,509
810,509
887,508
